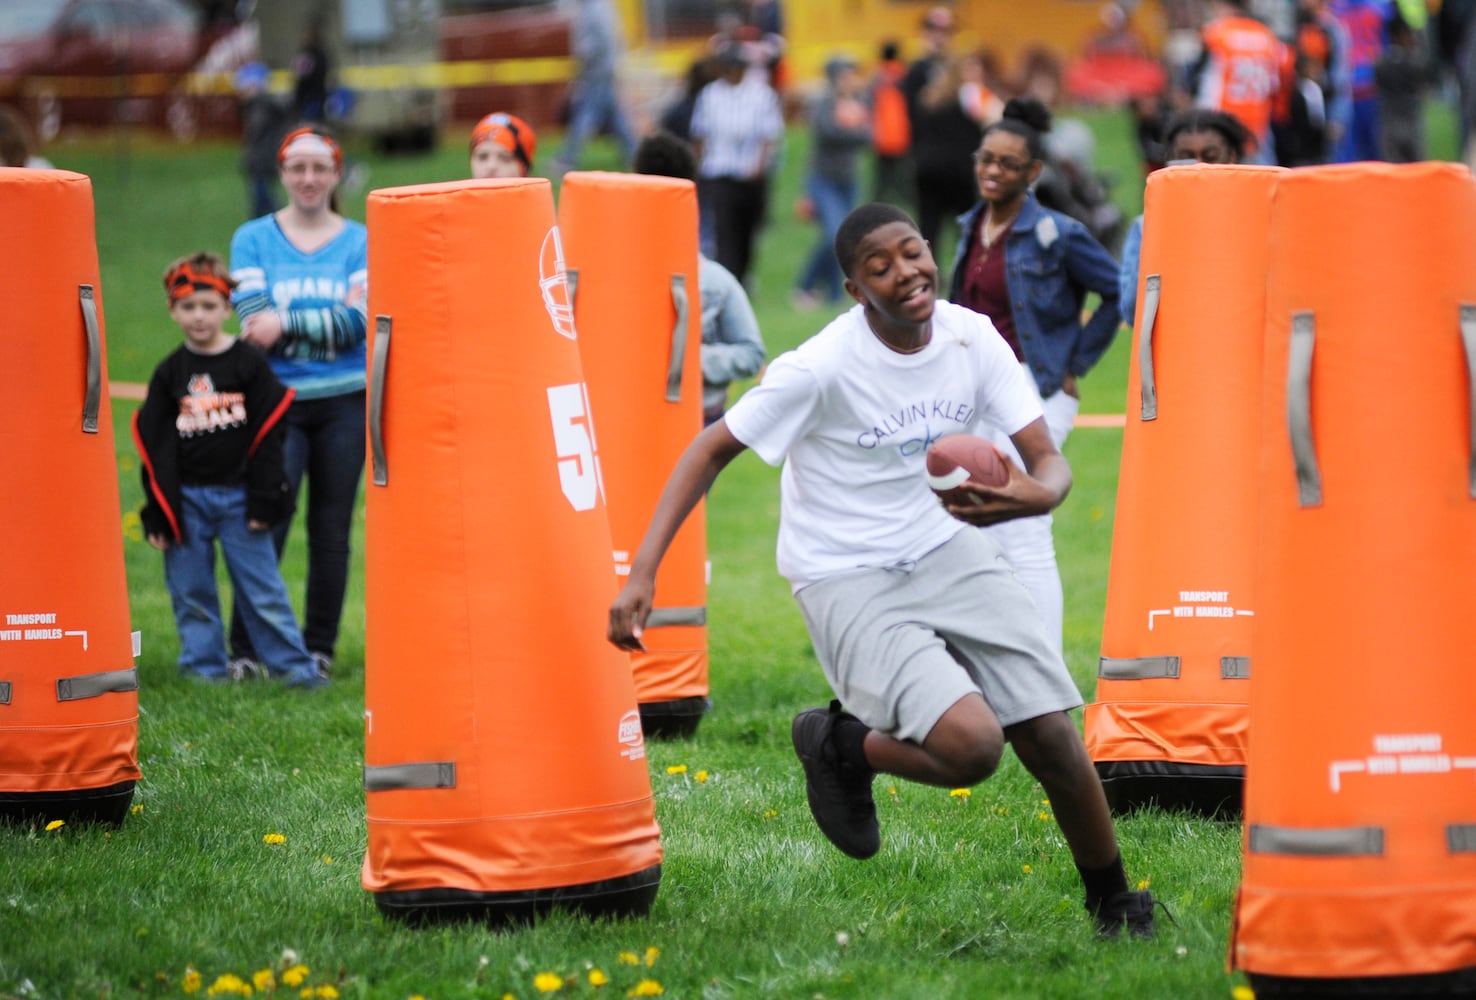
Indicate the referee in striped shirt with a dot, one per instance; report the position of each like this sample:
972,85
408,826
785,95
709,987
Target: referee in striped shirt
737,125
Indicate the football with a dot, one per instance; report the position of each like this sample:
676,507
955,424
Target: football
958,458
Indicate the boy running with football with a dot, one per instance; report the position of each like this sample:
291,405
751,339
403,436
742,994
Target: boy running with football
922,629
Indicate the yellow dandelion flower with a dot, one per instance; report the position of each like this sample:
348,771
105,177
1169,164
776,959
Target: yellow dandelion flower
548,982
327,860
415,996
137,809
295,975
508,996
677,769
1001,810
1045,802
274,838
1025,869
55,824
628,958
1042,815
597,978
306,993
651,955
960,793
190,983
771,813
229,982
645,988
701,777
263,980
327,992
892,791
1143,883
1242,993
133,526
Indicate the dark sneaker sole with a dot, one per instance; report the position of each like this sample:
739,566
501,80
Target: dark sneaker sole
810,731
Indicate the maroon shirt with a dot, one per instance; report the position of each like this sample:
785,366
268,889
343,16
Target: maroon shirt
985,289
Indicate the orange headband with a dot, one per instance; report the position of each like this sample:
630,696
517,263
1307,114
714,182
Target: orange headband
511,133
184,281
311,142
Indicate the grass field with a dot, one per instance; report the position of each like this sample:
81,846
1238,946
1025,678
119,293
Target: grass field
970,896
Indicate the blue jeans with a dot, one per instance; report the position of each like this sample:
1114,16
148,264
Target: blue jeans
833,201
594,107
325,442
218,513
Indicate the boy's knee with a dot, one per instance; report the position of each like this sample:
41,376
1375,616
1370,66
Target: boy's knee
977,760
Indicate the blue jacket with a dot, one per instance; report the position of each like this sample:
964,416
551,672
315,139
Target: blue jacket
1051,263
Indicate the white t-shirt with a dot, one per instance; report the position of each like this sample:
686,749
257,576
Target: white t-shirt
854,419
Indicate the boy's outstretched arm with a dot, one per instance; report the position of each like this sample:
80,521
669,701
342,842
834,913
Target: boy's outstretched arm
1038,489
695,471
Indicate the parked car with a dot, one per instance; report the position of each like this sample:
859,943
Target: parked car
96,63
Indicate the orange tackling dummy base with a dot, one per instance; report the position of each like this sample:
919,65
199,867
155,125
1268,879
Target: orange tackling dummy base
68,686
1360,804
639,314
505,765
1169,723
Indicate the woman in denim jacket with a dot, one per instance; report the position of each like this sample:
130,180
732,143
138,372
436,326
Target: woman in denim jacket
1029,270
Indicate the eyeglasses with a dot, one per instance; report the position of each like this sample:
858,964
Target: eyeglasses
1008,164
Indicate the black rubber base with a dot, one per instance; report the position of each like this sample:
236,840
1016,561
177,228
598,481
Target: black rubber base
1203,789
611,899
672,720
108,806
1457,985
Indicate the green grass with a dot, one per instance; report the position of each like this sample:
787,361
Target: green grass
753,902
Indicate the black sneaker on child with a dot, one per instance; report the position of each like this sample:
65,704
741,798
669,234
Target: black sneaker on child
1130,909
839,793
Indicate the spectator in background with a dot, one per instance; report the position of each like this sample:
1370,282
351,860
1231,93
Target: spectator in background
1194,135
1244,70
1322,55
731,345
16,143
1364,24
1402,76
594,98
1455,33
263,123
502,145
310,69
1030,269
944,135
737,126
891,130
677,118
840,129
1301,141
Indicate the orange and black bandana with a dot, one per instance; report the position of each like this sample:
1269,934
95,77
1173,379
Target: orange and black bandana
185,280
311,142
510,132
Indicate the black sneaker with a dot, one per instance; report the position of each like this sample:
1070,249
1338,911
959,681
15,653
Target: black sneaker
839,793
1133,909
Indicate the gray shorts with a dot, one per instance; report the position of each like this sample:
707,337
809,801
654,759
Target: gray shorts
900,646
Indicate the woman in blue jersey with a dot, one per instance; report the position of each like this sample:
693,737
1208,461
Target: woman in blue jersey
302,284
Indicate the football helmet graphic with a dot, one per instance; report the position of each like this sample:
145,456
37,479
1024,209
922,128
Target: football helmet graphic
553,282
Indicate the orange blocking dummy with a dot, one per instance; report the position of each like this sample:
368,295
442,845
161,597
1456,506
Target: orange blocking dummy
68,686
1169,722
1360,800
505,765
632,245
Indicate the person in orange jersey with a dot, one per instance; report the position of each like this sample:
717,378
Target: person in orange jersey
923,630
210,435
1247,71
502,145
303,284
